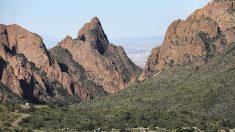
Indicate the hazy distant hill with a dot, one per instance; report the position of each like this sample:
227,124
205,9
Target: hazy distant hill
138,48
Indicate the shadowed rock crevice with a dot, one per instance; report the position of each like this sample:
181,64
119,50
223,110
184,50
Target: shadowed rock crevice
49,90
72,88
28,89
209,46
2,66
100,47
63,67
82,38
10,51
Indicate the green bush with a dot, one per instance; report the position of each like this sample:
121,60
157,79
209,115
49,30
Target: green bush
31,108
1,110
185,130
7,124
128,116
87,127
24,130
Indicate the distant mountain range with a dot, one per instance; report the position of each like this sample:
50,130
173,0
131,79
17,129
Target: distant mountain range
138,48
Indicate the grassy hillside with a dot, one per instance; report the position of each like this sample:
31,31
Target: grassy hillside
180,96
202,96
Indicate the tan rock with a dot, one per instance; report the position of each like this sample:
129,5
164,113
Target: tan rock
106,64
88,68
19,49
194,40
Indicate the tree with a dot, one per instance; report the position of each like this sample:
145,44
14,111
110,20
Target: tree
128,116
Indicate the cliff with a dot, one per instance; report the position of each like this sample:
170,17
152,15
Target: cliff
208,31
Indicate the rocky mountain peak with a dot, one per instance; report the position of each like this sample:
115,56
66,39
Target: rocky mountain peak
207,31
93,32
106,64
30,44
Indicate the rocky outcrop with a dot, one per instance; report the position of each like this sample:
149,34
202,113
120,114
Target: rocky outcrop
105,64
26,67
77,69
194,40
29,71
87,88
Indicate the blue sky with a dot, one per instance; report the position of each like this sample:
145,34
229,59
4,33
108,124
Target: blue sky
120,18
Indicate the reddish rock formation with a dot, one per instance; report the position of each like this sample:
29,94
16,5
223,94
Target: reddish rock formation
105,64
207,31
81,69
28,69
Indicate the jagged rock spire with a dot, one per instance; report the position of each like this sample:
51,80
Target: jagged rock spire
92,30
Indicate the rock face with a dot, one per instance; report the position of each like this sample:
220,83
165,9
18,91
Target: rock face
204,33
27,69
75,70
105,64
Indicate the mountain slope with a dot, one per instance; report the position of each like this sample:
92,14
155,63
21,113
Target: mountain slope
27,69
76,70
77,73
194,40
106,65
180,96
191,76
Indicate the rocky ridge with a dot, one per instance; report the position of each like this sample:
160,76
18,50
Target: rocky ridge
106,65
206,32
30,71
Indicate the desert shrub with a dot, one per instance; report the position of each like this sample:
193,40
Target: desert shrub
1,110
25,130
6,129
123,129
225,123
31,108
11,107
7,124
127,116
185,130
38,125
25,120
152,128
87,126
